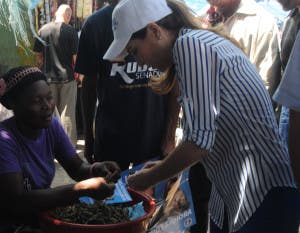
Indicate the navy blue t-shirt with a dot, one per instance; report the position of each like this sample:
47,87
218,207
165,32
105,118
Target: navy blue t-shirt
130,118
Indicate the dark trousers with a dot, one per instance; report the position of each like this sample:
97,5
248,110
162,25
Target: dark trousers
79,112
278,213
200,189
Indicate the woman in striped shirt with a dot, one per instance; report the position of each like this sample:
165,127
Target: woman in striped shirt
229,123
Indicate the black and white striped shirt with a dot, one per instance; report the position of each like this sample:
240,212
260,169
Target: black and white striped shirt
228,112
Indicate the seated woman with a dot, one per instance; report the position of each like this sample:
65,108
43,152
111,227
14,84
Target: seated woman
29,142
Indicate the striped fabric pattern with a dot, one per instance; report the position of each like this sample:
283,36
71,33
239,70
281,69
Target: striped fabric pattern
228,112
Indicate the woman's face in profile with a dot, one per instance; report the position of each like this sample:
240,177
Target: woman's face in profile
155,50
35,105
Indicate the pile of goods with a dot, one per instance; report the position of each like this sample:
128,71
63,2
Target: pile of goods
97,213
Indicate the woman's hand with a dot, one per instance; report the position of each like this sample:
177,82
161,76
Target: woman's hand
96,188
108,169
140,180
145,178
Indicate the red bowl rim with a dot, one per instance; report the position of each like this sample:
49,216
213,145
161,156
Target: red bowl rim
46,217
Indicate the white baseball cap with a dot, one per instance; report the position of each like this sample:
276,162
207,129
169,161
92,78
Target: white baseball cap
130,16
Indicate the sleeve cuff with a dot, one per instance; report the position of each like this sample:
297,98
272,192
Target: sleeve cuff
287,100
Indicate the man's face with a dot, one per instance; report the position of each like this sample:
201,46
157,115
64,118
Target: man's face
289,4
221,6
155,50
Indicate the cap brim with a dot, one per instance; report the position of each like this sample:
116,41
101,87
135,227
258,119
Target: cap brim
117,50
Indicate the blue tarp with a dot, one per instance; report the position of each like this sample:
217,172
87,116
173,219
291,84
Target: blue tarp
33,3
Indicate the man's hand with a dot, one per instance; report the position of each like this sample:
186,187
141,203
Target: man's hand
79,79
108,169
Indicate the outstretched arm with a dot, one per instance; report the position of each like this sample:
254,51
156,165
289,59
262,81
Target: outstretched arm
24,206
185,155
173,108
79,170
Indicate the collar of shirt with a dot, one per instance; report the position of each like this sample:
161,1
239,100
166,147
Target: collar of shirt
247,7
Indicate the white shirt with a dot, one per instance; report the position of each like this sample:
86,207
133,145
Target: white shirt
256,31
228,112
288,92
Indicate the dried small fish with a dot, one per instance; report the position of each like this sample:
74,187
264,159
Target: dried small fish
97,213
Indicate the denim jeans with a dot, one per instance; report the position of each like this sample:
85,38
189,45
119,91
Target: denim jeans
284,124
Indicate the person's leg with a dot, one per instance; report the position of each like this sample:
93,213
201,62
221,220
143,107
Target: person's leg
279,213
200,189
68,97
79,113
54,91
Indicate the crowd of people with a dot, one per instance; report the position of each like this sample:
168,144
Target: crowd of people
139,62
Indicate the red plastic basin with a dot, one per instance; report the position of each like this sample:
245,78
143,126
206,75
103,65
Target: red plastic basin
51,225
